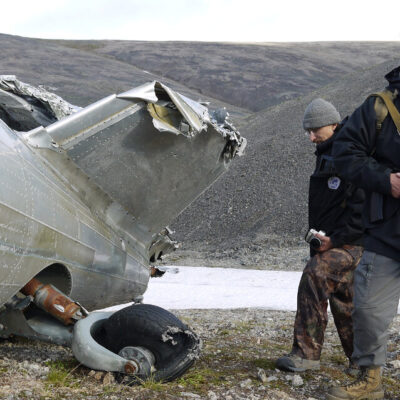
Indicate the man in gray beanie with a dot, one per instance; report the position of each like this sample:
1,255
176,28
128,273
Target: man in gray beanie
320,114
335,237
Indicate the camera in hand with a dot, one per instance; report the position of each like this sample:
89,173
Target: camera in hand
310,238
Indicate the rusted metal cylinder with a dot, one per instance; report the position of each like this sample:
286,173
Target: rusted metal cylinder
51,300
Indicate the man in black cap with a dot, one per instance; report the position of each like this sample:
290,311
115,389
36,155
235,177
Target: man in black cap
334,207
367,152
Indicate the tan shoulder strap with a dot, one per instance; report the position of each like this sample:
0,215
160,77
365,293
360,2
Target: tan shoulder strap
381,112
383,105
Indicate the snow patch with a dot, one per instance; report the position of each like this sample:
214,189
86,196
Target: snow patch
205,288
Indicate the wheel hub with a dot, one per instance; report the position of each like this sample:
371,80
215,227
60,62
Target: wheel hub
141,361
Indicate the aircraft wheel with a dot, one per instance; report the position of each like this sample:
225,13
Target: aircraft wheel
174,346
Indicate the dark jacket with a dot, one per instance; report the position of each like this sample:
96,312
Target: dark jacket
335,205
367,159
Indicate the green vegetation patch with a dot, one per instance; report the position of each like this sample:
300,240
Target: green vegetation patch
62,373
264,363
392,387
200,379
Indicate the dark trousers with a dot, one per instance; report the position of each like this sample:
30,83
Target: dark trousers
328,276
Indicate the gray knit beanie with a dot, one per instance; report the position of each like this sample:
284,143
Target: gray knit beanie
320,113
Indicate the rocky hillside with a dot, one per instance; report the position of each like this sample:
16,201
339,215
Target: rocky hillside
78,76
251,76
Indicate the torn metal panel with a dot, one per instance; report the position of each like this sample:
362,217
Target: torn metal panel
57,105
151,157
161,245
143,92
194,113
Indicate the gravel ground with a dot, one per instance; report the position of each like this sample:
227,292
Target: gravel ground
237,362
240,347
256,256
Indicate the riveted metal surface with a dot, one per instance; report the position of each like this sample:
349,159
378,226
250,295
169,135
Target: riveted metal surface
41,223
92,191
125,157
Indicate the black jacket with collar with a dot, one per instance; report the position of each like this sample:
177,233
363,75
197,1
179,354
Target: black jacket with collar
367,159
335,205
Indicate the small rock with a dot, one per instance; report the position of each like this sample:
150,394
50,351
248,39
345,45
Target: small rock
108,378
281,395
34,367
92,372
261,375
246,383
98,375
297,380
212,395
190,395
272,378
395,364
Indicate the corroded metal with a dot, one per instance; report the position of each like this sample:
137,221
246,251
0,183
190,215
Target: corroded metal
130,368
51,300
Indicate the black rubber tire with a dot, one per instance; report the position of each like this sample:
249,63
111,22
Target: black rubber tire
174,345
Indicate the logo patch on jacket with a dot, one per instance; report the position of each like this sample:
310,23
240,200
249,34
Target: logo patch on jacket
334,182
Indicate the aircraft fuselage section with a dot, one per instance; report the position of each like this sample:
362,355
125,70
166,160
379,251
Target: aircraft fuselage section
43,222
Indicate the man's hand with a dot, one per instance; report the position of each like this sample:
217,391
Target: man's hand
395,183
326,243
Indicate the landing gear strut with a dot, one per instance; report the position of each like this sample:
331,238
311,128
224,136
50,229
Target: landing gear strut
137,342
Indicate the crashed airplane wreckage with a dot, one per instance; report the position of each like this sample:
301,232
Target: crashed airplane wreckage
85,197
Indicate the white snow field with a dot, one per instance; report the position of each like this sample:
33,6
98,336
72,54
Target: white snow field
201,287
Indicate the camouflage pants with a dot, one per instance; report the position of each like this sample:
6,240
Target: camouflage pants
327,276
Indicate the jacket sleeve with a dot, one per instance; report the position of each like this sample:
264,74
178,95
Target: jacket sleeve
353,148
350,227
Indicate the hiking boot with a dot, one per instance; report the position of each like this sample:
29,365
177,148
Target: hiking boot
368,386
295,363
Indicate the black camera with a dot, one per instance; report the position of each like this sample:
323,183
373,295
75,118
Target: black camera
310,238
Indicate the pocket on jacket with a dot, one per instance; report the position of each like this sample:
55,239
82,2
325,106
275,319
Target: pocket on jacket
362,278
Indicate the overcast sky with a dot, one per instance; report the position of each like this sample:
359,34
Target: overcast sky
205,20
